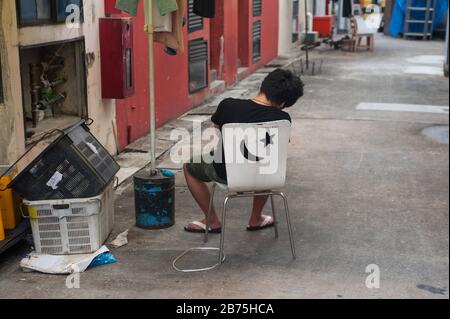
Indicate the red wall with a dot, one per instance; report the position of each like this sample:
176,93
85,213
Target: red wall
269,40
225,24
171,83
233,22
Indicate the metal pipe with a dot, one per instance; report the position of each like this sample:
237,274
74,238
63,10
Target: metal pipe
149,30
306,34
35,91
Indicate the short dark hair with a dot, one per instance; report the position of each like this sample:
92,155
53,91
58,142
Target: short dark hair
282,87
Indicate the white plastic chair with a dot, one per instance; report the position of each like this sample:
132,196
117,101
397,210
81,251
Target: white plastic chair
256,158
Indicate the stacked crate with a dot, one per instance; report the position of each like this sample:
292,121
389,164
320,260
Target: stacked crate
68,192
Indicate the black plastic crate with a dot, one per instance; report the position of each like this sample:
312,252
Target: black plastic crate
75,165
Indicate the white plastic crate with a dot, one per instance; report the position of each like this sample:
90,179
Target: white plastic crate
72,226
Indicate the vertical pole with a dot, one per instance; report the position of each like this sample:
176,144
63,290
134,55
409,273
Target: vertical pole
446,50
151,63
407,18
427,19
306,34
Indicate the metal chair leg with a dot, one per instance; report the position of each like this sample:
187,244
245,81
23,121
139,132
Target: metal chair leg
275,220
201,249
208,214
222,234
288,218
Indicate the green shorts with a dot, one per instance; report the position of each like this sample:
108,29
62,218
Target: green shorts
204,172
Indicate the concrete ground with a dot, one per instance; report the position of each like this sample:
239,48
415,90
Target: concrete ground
364,187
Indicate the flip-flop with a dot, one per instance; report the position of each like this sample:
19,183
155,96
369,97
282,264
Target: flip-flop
202,230
267,223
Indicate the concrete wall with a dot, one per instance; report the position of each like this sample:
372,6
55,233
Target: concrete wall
321,8
286,26
310,4
12,139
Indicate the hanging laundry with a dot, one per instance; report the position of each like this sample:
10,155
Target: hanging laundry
174,40
347,9
167,6
205,8
128,6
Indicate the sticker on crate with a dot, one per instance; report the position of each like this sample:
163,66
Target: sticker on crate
55,180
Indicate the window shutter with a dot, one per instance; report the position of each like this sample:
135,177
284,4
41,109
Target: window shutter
257,28
257,8
198,50
195,22
198,65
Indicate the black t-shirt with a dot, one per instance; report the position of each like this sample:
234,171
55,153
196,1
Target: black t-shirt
243,111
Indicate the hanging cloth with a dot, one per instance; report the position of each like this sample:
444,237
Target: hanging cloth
205,8
174,39
347,9
128,6
167,6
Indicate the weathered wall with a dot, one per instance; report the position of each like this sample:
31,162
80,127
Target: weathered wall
101,111
11,125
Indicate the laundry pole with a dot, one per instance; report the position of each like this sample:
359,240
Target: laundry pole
148,5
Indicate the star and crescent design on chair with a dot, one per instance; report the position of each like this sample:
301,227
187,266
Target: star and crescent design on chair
268,140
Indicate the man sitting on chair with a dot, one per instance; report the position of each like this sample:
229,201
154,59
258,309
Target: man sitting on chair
280,89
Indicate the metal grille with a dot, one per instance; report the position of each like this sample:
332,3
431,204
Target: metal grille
74,226
195,22
257,8
198,65
198,50
257,28
49,234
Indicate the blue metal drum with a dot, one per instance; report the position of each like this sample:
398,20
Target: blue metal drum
154,199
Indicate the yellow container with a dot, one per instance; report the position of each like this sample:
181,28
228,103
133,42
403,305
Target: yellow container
2,230
8,205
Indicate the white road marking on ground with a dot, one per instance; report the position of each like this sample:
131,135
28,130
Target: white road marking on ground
426,70
427,59
392,107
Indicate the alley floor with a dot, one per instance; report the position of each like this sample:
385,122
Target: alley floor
367,185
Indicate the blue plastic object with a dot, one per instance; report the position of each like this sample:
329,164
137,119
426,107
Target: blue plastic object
103,259
398,16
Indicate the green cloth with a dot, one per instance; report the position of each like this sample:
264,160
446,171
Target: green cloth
129,6
167,6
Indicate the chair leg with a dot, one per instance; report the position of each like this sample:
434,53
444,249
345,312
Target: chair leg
288,218
208,214
222,234
275,220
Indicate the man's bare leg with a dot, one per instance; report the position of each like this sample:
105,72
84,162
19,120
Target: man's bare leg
257,217
202,195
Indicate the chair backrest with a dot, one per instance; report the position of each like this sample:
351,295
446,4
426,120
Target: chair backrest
256,155
362,27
